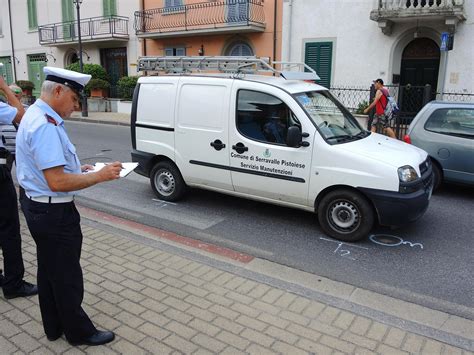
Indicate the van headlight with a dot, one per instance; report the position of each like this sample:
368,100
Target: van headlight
407,173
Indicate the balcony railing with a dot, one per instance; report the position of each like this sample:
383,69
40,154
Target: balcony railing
215,16
92,29
419,5
391,11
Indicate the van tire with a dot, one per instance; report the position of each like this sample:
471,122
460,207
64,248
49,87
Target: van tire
346,215
167,182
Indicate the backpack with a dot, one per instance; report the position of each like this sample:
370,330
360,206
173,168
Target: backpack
391,108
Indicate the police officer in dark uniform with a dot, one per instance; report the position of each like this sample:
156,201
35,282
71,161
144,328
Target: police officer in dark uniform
10,240
50,172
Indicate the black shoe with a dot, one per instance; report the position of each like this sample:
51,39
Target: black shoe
25,290
54,337
98,338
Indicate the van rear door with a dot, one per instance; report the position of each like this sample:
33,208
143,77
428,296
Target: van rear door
202,147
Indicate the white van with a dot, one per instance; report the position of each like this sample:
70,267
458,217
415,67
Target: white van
287,142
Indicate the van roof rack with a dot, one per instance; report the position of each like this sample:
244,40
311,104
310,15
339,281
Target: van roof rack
227,64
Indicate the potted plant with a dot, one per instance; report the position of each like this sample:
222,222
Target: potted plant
126,85
98,87
27,87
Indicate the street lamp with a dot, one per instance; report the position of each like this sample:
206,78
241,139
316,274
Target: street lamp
81,65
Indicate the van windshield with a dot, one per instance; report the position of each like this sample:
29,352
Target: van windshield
334,122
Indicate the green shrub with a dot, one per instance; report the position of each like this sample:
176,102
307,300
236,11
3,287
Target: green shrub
95,70
97,84
361,107
25,84
126,85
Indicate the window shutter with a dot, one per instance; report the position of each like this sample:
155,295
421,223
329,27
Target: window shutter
180,52
32,19
110,8
318,56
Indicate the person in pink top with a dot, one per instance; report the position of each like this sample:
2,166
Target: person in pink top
380,102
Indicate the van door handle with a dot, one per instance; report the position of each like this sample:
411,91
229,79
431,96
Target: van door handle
217,144
240,148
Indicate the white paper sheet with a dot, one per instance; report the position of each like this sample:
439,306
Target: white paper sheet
127,168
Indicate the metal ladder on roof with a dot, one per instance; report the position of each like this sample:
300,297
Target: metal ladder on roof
226,64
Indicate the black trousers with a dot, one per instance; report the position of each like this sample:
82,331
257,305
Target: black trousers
57,233
10,239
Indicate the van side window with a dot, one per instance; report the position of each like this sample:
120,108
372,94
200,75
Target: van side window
263,117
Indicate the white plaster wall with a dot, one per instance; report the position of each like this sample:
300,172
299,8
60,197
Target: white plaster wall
49,11
361,52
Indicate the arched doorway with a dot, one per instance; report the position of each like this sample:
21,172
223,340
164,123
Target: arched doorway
419,67
420,63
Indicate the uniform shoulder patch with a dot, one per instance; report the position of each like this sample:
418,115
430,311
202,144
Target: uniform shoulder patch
50,119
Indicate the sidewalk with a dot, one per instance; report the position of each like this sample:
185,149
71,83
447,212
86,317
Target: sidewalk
114,118
166,294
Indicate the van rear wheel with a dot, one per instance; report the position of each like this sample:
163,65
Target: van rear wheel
346,215
167,182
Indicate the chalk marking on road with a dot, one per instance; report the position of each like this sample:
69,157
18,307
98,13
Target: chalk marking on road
388,240
345,253
162,203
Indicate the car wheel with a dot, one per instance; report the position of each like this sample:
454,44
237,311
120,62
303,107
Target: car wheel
167,182
437,176
346,215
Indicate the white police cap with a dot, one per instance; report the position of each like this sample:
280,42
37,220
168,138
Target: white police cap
72,79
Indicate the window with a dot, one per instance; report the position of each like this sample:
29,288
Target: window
32,20
454,122
263,117
110,8
173,5
318,55
175,51
239,49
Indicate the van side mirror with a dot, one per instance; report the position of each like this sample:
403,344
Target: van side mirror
294,137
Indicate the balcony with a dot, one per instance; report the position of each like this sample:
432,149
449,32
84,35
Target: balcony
389,12
94,29
217,17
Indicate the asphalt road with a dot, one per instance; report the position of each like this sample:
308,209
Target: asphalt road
429,262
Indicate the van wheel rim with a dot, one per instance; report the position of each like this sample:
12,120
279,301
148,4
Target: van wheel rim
165,183
344,216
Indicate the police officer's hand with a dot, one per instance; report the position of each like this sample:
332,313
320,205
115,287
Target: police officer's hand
87,167
110,171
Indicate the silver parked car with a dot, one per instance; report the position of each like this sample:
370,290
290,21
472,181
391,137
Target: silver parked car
446,131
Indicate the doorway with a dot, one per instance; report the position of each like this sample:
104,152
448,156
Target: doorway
419,67
114,61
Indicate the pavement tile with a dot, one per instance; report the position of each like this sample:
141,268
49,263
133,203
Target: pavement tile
181,329
395,337
175,292
304,332
328,315
129,334
219,300
153,305
114,277
155,347
132,296
224,311
155,318
104,321
273,320
284,348
413,343
192,281
207,273
299,305
203,352
132,307
337,344
326,329
246,287
282,335
202,314
228,325
258,338
344,320
385,349
238,297
259,291
272,295
204,327
377,331
209,343
153,331
16,316
252,323
41,351
218,290
285,300
232,351
125,347
8,328
180,344
432,347
6,346
248,311
361,325
255,349
359,340
176,304
25,342
294,317
265,307
129,319
198,301
33,328
177,315
152,274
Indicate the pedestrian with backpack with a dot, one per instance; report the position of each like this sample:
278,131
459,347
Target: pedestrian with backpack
380,102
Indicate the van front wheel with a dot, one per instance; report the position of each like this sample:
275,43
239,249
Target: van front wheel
167,182
346,215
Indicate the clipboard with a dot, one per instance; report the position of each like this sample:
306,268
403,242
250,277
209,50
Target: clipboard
127,168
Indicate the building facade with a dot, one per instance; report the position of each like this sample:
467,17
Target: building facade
37,33
352,42
210,28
